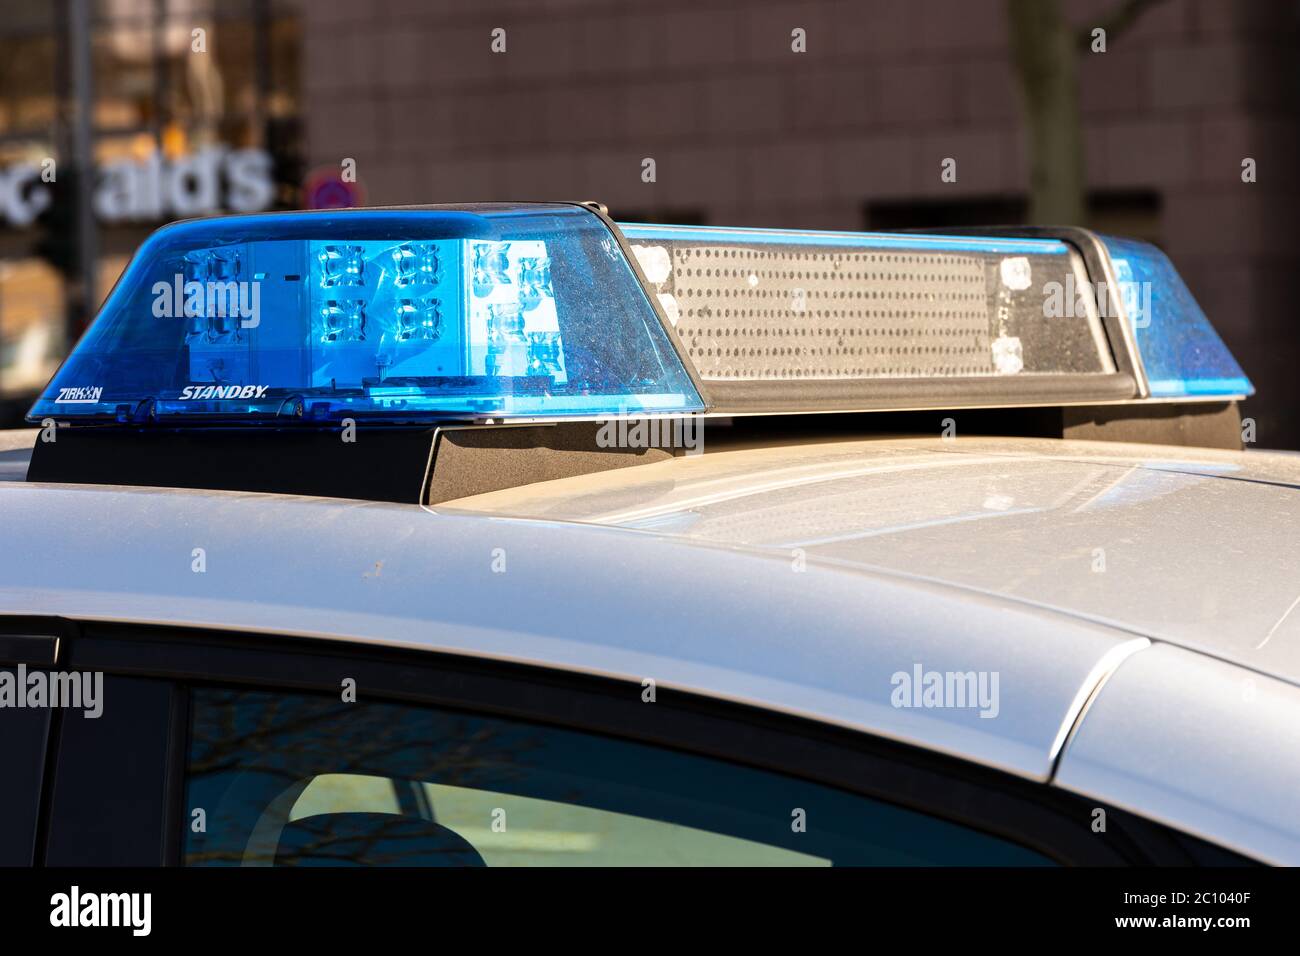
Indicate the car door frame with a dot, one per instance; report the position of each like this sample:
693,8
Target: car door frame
1029,813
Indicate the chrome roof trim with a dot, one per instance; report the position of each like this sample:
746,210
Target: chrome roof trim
1088,691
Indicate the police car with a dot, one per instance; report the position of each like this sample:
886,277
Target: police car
504,534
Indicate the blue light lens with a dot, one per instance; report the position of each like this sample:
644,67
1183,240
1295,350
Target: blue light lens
401,315
1182,354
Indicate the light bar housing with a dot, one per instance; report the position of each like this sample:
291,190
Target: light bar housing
550,311
395,315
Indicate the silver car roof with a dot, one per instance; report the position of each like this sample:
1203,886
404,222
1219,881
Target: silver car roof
823,643
1196,547
776,622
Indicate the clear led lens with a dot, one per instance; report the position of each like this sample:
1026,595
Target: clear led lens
205,265
420,319
491,266
534,280
415,264
345,321
342,266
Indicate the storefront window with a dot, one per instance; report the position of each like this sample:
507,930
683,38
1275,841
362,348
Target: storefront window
194,112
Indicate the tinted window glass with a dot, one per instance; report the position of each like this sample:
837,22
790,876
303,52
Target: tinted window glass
23,732
110,797
291,780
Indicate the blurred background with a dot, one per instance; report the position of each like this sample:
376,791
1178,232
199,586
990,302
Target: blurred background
119,115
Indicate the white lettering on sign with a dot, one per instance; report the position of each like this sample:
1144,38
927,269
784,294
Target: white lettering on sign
86,395
205,393
23,196
207,181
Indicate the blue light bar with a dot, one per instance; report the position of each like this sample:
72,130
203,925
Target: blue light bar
1182,354
401,315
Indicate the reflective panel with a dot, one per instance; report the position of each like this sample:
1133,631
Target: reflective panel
772,304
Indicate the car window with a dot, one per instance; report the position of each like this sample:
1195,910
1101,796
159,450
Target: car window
23,732
296,780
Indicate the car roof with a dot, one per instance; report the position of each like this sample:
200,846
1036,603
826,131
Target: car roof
604,601
1196,547
695,582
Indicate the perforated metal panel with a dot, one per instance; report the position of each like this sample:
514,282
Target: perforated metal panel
767,310
771,313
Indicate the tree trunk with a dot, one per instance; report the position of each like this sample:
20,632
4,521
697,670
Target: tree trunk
1045,55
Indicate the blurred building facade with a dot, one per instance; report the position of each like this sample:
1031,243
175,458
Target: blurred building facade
193,108
437,100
